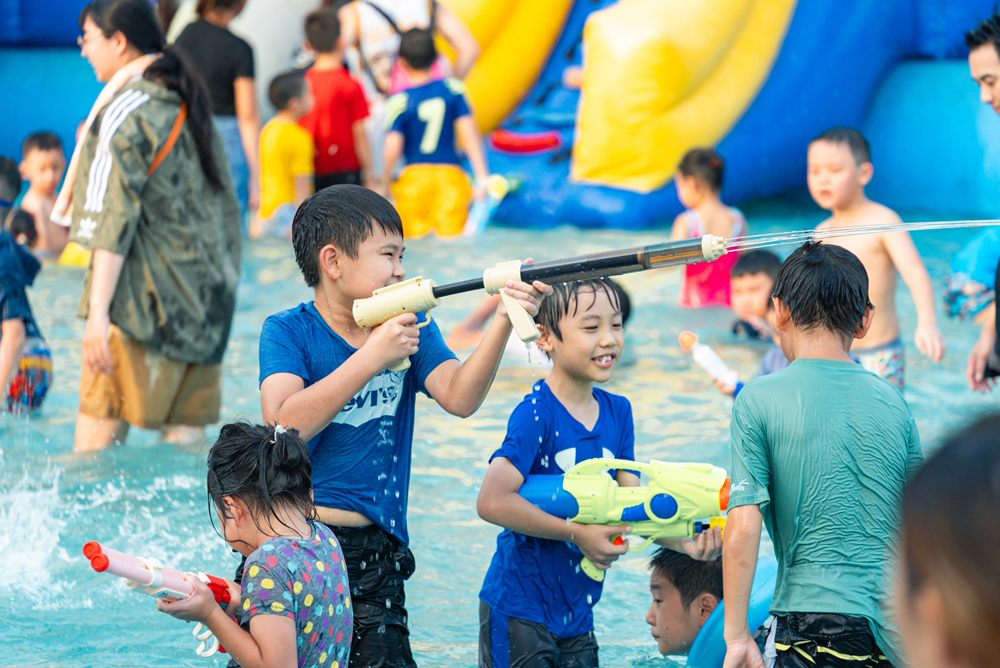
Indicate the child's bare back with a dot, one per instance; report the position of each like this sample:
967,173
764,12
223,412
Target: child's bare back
51,237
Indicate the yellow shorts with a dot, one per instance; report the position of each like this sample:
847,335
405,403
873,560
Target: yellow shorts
432,197
148,390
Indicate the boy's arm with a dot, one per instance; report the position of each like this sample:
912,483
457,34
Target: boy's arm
393,149
285,400
472,141
976,369
461,388
11,340
739,563
499,503
903,253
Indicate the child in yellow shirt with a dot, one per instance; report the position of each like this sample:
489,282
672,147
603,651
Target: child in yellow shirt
286,157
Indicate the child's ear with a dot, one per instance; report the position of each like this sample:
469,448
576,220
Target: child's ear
544,340
865,173
706,606
329,261
782,316
866,323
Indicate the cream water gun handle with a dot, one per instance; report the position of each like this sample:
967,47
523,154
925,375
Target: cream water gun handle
413,296
494,280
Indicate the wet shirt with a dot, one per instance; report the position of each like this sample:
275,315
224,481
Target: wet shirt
825,447
425,116
306,581
361,460
179,235
538,579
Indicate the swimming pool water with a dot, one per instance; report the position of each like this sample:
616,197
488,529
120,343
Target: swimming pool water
147,498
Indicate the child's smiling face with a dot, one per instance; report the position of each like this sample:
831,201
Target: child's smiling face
592,338
379,263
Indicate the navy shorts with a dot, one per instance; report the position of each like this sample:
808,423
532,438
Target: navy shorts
377,566
508,642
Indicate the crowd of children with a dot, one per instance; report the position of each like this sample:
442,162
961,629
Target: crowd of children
316,500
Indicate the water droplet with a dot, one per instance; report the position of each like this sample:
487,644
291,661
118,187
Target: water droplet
397,565
397,493
388,603
381,628
363,565
534,401
590,600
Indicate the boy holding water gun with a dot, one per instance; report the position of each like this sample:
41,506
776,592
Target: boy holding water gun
821,451
322,374
536,600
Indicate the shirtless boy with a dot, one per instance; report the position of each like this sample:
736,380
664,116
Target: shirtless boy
839,169
42,165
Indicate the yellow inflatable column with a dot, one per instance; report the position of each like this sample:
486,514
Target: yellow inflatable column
663,76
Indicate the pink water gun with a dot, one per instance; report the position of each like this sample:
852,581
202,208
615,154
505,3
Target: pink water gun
148,576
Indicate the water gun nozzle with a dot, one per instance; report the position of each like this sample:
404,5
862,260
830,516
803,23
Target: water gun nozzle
687,339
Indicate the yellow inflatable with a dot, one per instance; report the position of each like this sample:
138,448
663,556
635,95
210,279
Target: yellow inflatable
515,38
74,255
663,76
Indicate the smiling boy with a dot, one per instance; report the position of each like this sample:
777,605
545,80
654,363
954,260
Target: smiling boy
324,375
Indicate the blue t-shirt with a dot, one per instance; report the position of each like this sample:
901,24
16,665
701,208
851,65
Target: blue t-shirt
305,580
537,579
18,268
361,460
426,115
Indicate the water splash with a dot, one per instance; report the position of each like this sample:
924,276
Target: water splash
29,534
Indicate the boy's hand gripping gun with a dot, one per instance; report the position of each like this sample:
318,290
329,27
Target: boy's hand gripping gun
680,500
418,295
148,576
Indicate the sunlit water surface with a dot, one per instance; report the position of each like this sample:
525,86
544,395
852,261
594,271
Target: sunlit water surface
148,498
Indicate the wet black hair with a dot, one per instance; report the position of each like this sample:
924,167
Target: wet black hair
10,179
40,141
824,287
22,224
263,466
849,137
341,215
416,47
322,29
689,576
137,21
705,165
285,87
987,32
565,300
756,262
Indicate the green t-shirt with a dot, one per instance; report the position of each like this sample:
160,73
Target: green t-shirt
825,447
180,236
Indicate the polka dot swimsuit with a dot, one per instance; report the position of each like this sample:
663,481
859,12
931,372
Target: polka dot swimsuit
305,580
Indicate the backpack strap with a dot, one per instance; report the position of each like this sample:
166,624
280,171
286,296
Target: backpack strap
175,132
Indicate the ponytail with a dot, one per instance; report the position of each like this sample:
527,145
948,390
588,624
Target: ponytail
171,70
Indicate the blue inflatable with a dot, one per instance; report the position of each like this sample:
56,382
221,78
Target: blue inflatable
709,648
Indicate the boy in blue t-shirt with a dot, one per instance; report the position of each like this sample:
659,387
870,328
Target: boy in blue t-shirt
433,191
536,600
322,374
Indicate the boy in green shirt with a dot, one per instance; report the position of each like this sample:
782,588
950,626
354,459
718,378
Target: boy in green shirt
821,451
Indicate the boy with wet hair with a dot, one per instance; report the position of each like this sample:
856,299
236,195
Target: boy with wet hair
821,451
536,601
685,593
42,165
839,169
324,375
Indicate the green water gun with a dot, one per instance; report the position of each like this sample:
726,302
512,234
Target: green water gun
680,499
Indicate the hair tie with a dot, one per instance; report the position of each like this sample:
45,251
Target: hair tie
278,429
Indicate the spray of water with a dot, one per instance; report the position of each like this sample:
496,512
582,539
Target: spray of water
755,241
